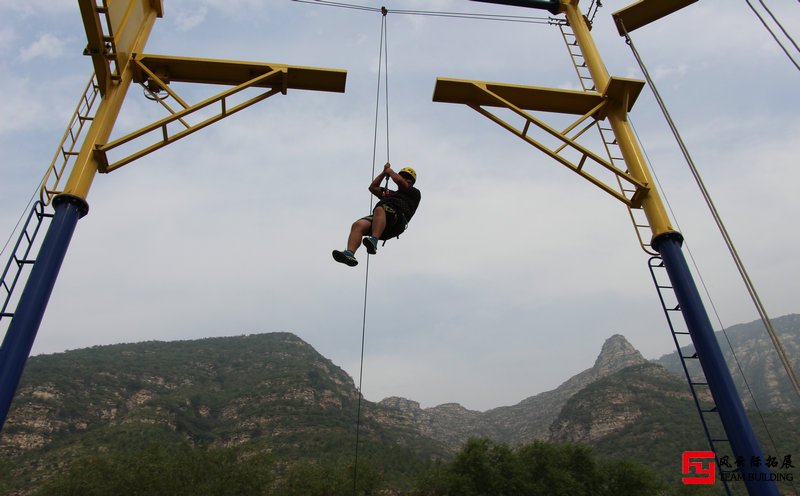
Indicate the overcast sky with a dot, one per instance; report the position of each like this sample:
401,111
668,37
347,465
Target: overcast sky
513,272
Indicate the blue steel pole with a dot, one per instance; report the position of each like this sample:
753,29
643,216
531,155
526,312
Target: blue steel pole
28,315
737,426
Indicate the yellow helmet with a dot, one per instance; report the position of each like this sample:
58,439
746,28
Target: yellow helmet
410,171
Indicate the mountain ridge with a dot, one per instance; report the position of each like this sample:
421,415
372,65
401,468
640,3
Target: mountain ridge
524,422
274,393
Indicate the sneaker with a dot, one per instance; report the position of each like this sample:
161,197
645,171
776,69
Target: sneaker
371,244
346,257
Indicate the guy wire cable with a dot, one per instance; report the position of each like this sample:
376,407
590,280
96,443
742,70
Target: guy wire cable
718,220
381,59
708,293
774,36
432,13
786,33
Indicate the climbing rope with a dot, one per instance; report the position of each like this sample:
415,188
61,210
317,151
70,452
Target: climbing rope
718,220
383,74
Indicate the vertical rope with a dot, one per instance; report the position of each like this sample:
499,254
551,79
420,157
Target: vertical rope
386,76
382,60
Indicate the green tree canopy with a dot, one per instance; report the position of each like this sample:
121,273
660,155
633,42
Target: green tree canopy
485,468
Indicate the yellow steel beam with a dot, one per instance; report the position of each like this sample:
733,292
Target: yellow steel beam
96,45
623,91
233,72
535,98
161,70
112,30
86,166
617,117
525,97
644,12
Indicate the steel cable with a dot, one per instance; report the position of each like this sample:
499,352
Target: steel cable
383,69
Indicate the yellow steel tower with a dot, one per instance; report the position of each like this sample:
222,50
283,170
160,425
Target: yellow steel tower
117,31
610,100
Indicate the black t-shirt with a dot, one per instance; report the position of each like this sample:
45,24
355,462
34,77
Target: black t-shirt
404,201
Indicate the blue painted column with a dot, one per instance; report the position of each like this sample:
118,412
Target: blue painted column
28,315
731,411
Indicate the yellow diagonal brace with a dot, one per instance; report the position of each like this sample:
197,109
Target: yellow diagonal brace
161,84
507,104
576,168
594,111
566,139
164,86
102,151
576,135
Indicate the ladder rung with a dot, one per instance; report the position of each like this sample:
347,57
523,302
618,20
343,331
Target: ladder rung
6,314
699,383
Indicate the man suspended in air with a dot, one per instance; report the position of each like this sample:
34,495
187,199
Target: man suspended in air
389,218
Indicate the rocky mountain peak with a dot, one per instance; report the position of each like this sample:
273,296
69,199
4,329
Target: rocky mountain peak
616,354
402,404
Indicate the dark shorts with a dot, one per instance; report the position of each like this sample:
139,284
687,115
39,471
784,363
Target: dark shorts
395,222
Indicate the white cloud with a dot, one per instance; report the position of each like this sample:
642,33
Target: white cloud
47,46
187,19
7,36
513,262
37,7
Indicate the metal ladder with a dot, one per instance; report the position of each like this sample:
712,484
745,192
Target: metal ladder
26,248
709,416
639,221
701,394
69,147
578,60
23,255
